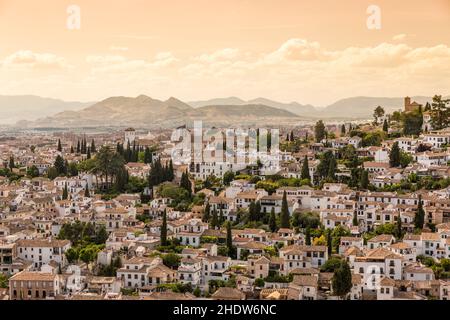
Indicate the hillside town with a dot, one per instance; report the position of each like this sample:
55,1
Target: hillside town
348,211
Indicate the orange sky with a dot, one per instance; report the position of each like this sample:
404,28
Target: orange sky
309,51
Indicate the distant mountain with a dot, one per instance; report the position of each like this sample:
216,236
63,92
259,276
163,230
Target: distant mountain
144,111
362,107
29,107
345,109
122,111
294,107
243,111
230,101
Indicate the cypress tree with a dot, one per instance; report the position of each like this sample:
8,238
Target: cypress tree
251,211
343,130
87,194
399,227
206,213
221,217
385,126
355,219
272,221
342,280
284,214
65,194
148,155
71,149
258,211
78,147
305,169
292,135
93,148
59,145
60,165
308,236
214,219
88,155
329,243
419,218
185,183
332,169
11,163
364,179
171,174
164,229
394,155
229,239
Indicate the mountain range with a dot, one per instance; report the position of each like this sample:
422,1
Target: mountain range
144,111
29,107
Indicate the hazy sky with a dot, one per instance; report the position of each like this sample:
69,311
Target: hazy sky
311,51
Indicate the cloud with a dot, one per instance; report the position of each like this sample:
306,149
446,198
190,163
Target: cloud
399,37
297,49
27,59
121,64
297,69
116,48
219,55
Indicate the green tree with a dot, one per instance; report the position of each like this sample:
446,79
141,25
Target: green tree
319,131
72,169
52,173
385,126
308,236
412,122
206,213
148,158
65,194
12,165
342,280
378,113
355,219
33,171
214,219
327,165
185,182
93,148
60,165
331,265
364,179
305,169
229,240
59,148
394,155
71,255
197,292
329,242
440,113
399,228
284,214
101,235
272,221
164,229
171,260
419,217
343,130
228,177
